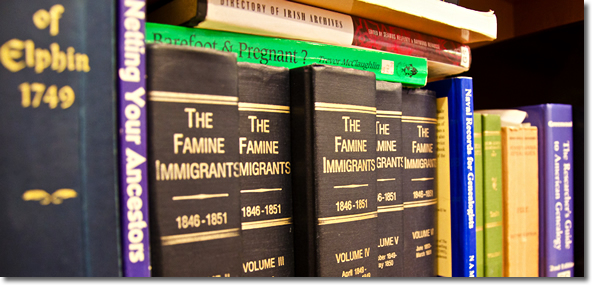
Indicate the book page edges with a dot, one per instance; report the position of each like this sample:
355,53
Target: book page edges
508,117
428,16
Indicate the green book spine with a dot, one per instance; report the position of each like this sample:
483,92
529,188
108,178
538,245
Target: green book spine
492,192
477,133
408,70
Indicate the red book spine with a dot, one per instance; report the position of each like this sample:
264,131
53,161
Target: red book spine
379,36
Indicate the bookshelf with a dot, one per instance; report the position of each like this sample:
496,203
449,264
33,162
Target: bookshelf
521,17
537,58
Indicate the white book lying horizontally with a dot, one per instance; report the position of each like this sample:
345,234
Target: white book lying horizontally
437,18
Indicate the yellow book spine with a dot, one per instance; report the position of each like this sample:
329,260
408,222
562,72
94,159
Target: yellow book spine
520,201
443,232
531,193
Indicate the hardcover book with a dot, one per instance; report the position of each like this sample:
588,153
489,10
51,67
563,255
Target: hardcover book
194,162
333,118
479,198
520,202
492,193
456,191
290,20
389,184
59,200
265,164
409,70
444,20
556,217
134,201
419,174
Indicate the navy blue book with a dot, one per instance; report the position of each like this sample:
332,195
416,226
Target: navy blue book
265,182
455,185
556,187
333,158
389,178
59,197
418,129
194,187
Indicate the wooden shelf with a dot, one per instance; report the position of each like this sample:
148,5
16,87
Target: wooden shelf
522,17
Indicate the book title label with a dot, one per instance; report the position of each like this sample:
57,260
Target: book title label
17,54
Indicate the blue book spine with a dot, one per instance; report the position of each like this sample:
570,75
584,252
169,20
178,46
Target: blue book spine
58,137
556,185
133,139
459,92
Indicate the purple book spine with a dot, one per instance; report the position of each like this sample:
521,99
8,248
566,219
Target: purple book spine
133,139
556,217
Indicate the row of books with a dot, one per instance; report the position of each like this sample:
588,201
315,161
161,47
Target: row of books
438,32
165,224
256,34
73,143
201,156
524,224
316,181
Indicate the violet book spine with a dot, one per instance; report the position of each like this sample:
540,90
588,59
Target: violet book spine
556,183
136,260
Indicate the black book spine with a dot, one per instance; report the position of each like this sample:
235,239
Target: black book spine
265,183
194,162
334,180
419,200
389,182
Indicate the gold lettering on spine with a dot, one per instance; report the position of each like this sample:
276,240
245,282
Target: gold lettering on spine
16,55
42,19
69,54
29,53
352,255
263,264
82,62
9,52
42,59
58,61
196,170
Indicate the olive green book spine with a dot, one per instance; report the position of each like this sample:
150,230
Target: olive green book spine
409,70
492,194
477,133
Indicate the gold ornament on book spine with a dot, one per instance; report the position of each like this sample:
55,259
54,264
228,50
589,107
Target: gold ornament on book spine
46,198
